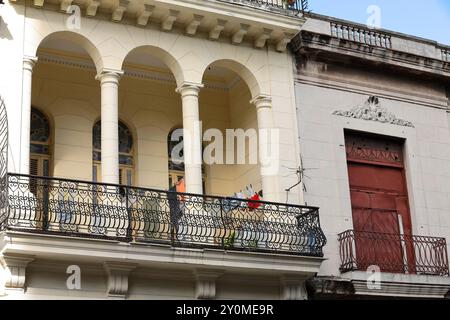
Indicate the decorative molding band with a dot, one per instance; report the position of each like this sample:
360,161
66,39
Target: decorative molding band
309,42
372,110
138,74
396,289
368,89
366,148
50,59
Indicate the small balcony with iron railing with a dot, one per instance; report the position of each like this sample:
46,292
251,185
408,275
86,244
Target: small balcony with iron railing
52,206
393,253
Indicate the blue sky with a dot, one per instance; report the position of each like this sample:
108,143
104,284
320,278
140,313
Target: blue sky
423,18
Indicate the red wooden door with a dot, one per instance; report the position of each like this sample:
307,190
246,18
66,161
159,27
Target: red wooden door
377,231
379,204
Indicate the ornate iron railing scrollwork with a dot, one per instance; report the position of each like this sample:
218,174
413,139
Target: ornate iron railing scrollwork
3,164
281,6
87,209
396,253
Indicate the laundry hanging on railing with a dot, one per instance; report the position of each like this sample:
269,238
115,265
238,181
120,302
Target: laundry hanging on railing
246,198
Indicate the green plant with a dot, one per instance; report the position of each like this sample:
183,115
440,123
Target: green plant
253,244
229,241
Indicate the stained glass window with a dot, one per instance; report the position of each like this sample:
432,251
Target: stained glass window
175,150
125,143
39,132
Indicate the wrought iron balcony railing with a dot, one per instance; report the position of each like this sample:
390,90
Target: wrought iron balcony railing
394,253
292,6
86,209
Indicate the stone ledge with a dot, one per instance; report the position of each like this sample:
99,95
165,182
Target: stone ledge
334,49
401,285
99,251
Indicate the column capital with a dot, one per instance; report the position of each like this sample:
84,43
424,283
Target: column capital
189,89
29,62
262,101
109,76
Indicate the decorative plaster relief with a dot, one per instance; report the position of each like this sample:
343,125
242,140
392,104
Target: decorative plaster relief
371,110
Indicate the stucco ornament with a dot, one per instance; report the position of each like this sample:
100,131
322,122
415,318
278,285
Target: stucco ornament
371,110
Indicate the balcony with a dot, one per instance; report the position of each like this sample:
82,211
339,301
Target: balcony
83,209
393,253
284,6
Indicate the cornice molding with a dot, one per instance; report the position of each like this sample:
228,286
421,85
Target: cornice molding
310,44
285,22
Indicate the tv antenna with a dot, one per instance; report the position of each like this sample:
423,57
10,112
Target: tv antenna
300,172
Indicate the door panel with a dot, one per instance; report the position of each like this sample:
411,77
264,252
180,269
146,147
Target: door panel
375,216
388,245
377,197
375,177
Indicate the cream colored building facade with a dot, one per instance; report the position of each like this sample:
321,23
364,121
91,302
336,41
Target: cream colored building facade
92,100
144,68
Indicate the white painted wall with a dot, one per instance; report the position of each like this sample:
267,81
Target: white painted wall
427,147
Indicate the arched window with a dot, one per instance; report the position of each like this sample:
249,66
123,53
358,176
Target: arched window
126,161
39,144
176,157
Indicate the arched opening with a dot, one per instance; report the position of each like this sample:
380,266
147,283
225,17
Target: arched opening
126,154
226,69
40,144
65,89
226,113
147,97
74,44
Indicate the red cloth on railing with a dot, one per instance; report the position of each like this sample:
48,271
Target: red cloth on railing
254,205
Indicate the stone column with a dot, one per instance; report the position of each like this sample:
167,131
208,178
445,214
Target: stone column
192,137
28,64
109,82
268,148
